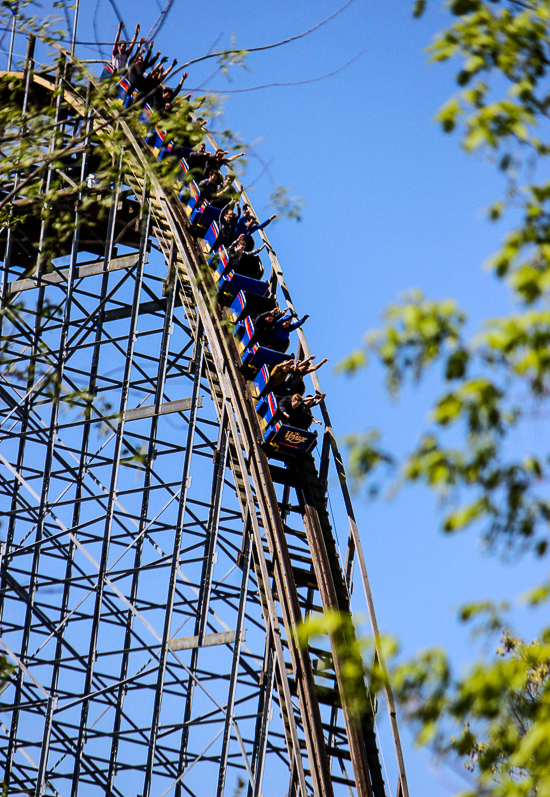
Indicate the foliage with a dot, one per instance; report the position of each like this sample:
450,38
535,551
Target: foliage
496,718
354,653
286,205
498,380
500,710
6,670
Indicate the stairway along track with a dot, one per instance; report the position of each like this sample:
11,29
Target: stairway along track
297,570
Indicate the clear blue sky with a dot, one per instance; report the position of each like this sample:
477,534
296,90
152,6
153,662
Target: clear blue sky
392,203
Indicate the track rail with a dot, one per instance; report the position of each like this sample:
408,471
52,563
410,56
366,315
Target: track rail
297,571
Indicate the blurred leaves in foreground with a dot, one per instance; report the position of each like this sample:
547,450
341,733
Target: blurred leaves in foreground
483,450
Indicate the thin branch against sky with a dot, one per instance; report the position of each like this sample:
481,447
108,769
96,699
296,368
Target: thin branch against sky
290,83
161,19
209,55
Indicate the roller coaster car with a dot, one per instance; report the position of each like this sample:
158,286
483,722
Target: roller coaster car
267,409
257,356
210,235
244,329
155,139
245,296
123,85
204,219
231,284
108,72
250,304
279,438
260,383
189,195
146,114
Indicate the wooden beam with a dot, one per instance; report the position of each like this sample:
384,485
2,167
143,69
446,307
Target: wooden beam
189,642
169,406
87,270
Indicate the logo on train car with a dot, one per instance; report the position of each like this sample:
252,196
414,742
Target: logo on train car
294,437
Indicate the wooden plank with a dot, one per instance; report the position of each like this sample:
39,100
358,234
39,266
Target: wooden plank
169,406
87,270
189,642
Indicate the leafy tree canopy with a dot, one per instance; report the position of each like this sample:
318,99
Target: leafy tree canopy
473,454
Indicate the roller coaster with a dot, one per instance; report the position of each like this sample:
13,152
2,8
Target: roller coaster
163,538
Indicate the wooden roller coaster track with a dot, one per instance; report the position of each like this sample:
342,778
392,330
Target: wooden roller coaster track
294,570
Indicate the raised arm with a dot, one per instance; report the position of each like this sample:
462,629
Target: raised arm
139,51
313,368
226,185
298,324
180,84
134,40
234,157
117,38
151,59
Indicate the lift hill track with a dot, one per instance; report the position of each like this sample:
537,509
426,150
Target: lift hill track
287,559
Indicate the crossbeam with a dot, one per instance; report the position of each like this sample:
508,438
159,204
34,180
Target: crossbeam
88,270
190,642
180,405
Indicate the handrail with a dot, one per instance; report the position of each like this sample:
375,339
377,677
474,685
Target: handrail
354,542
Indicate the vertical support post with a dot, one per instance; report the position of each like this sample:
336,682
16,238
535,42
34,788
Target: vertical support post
34,358
41,783
325,462
205,585
111,503
12,35
161,378
75,23
236,660
264,711
197,370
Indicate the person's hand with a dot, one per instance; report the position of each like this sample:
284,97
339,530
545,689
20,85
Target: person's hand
184,76
187,96
120,24
174,62
167,106
274,215
306,317
137,28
